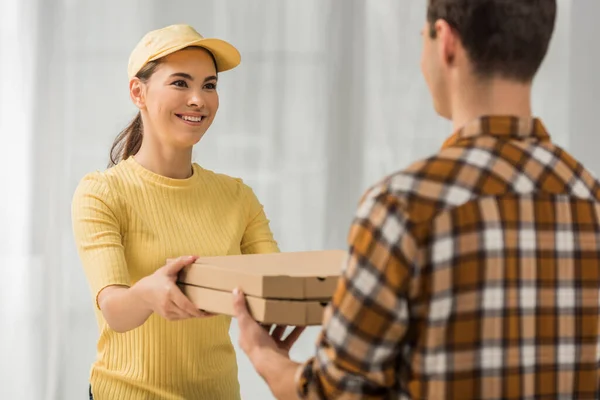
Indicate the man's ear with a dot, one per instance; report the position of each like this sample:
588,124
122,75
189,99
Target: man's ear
448,41
137,92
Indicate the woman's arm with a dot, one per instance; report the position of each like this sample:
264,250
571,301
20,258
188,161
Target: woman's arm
127,308
258,237
97,223
123,308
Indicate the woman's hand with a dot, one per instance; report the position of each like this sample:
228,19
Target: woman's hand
162,295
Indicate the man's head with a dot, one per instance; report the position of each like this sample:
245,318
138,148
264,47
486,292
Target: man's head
483,40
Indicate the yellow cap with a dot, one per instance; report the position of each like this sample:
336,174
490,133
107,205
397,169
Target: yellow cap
162,42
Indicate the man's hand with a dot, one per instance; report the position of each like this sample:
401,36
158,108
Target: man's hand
269,354
255,338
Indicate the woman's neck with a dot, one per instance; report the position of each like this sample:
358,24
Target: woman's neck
168,162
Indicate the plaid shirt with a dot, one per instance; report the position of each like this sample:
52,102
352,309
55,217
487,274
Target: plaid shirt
474,274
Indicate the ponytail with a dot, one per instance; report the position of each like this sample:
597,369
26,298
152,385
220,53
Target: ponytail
128,142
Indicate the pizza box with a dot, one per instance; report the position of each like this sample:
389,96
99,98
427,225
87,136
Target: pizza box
266,311
309,275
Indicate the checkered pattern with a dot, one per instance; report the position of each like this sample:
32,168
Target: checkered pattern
474,274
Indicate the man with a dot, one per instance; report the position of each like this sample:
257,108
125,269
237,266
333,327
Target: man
473,274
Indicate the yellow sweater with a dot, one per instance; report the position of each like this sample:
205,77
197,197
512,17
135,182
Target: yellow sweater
127,221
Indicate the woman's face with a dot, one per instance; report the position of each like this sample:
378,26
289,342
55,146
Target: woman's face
180,100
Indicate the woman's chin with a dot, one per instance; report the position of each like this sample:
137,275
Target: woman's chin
189,139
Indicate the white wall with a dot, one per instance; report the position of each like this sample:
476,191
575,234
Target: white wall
329,98
584,83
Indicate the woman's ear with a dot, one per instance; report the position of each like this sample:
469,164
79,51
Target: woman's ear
137,92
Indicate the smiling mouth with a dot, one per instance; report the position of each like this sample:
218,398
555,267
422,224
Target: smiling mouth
188,118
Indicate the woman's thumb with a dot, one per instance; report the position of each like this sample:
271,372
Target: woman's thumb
173,267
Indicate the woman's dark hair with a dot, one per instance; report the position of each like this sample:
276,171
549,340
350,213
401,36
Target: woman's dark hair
129,141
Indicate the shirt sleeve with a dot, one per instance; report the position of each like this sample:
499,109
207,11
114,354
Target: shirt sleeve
258,237
358,348
97,232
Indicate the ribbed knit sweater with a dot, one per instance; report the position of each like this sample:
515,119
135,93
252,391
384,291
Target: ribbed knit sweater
127,222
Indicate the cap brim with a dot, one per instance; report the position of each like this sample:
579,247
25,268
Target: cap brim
226,56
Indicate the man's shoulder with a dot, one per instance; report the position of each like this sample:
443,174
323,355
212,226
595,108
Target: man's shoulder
428,186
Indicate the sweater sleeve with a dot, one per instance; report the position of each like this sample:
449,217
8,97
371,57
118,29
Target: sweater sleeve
258,237
97,232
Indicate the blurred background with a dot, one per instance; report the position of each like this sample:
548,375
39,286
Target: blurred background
329,98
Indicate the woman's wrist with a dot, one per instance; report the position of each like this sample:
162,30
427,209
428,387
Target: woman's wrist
140,295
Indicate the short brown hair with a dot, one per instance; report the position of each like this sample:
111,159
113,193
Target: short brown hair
506,38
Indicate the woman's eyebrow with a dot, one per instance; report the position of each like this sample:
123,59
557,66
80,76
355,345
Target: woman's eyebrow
189,77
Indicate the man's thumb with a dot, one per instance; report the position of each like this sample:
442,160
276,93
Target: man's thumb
239,304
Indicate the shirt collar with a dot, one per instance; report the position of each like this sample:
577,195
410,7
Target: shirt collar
508,127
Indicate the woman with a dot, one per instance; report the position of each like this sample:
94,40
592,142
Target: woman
154,204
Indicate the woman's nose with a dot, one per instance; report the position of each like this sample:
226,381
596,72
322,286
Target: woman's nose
196,100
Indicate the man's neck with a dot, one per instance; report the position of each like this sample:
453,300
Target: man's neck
494,97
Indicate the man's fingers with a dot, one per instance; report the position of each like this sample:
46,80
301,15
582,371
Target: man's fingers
293,336
278,332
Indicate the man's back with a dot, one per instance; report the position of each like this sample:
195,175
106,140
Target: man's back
504,293
485,260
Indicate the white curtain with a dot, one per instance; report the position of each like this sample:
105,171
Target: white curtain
328,99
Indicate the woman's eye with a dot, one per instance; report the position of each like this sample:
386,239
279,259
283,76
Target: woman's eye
211,86
180,83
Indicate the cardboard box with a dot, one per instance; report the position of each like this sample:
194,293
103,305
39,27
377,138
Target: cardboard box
268,311
311,275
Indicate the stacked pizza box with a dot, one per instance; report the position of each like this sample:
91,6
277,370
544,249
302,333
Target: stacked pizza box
291,288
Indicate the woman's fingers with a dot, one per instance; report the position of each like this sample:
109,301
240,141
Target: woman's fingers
184,304
174,313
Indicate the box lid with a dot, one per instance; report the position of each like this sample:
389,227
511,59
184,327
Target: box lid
291,275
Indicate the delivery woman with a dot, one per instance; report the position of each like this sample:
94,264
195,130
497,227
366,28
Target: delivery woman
154,204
